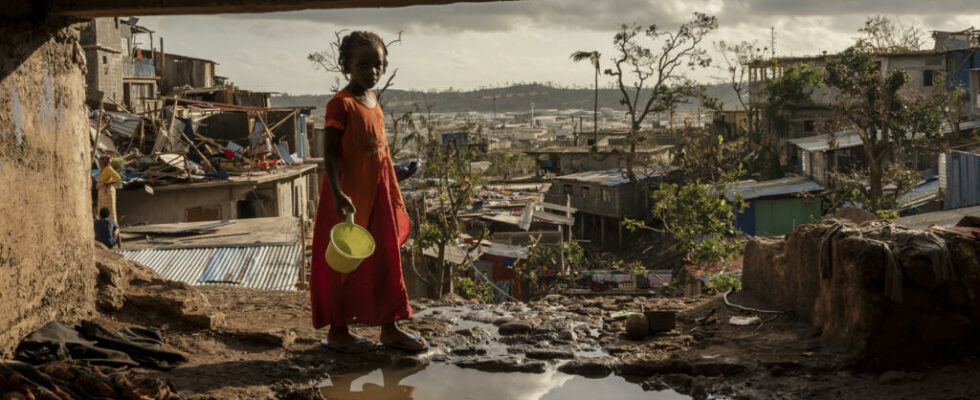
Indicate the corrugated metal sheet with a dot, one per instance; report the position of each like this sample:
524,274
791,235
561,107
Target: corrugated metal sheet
920,194
850,138
505,250
230,264
777,187
272,267
962,180
608,177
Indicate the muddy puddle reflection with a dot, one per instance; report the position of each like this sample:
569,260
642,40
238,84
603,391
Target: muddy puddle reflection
443,381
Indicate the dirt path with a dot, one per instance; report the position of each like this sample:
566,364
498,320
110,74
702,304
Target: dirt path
266,348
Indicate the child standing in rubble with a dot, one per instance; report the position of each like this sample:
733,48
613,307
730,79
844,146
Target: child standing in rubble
360,179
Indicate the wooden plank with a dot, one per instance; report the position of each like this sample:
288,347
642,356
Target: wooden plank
558,207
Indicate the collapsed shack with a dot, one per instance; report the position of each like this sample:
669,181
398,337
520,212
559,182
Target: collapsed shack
899,297
199,145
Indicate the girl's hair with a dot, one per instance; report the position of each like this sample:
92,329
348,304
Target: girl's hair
357,38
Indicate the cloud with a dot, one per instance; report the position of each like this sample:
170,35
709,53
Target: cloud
471,45
605,15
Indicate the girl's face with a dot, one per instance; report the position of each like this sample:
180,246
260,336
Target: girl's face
367,63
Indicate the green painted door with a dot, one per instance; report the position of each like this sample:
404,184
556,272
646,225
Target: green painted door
780,216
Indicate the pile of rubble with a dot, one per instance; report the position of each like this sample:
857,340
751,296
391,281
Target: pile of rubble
166,145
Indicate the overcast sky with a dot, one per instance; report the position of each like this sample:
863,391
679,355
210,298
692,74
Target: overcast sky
467,46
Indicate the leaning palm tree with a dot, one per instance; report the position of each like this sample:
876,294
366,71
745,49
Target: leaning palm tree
592,56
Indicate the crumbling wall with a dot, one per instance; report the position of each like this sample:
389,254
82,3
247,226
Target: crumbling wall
932,319
46,267
785,272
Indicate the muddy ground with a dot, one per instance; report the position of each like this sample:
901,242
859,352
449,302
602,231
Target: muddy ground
266,348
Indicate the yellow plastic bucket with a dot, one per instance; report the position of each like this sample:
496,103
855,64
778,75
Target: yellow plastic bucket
349,245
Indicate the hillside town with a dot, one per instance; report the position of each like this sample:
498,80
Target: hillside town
813,232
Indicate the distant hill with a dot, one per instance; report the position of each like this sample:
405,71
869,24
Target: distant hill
517,98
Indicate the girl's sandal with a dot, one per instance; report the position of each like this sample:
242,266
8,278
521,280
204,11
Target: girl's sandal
403,344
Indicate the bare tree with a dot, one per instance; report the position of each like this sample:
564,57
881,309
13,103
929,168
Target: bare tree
739,58
882,35
650,80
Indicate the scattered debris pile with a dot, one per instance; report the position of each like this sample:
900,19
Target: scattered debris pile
899,296
194,141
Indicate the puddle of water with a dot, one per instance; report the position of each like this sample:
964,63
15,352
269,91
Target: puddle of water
451,382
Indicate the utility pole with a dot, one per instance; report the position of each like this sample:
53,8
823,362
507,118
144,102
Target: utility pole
532,115
772,41
493,94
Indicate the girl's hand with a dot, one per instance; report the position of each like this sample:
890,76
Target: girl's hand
343,205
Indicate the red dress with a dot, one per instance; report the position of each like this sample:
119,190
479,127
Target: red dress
374,293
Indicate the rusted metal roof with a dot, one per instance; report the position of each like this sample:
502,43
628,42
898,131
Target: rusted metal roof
265,267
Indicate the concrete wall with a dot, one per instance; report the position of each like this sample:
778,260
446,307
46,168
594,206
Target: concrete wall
102,40
46,267
167,206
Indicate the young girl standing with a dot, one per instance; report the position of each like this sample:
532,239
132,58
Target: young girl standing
360,179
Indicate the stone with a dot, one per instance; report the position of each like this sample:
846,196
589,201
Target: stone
644,368
726,367
890,377
543,339
700,388
469,351
661,321
568,335
503,364
595,367
501,321
637,327
654,385
550,354
515,328
681,383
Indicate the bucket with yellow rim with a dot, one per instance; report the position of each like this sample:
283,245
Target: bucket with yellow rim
349,245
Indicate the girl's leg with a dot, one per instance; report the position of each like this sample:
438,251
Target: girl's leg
392,334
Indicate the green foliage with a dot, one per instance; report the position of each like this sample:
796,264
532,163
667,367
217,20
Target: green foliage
699,217
724,281
468,288
541,256
787,93
449,184
509,163
886,120
853,189
706,156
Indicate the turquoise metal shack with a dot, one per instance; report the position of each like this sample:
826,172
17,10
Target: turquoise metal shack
778,206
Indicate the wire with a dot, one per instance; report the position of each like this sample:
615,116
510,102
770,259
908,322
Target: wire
730,304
